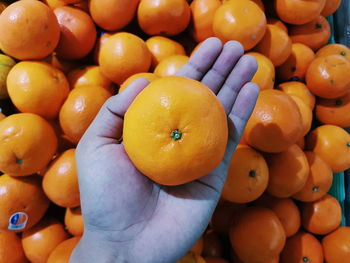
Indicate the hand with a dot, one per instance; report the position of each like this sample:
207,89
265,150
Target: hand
129,218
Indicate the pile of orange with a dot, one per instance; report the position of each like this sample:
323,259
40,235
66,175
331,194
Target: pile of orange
72,55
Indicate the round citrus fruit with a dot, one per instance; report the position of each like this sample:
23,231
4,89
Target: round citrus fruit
336,246
334,49
265,75
170,65
43,92
74,221
306,114
27,144
11,250
63,251
330,7
29,30
169,119
147,75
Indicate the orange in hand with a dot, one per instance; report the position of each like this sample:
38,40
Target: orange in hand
169,119
123,55
39,241
275,124
27,144
248,176
170,65
60,182
243,21
147,75
29,30
21,195
44,91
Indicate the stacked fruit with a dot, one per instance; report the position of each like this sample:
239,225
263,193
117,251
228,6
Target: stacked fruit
64,58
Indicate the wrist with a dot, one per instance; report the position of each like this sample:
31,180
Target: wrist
93,247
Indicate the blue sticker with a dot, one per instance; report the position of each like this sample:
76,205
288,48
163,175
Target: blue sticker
18,221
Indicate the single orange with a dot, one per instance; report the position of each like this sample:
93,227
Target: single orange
276,22
74,221
63,251
334,111
11,250
22,202
276,45
286,211
243,21
43,92
163,47
296,64
265,75
330,7
112,15
164,120
198,246
60,182
298,12
78,33
80,109
334,49
149,76
27,144
163,17
336,246
275,124
314,34
288,172
302,247
322,216
300,90
258,235
170,65
99,43
203,12
319,180
29,30
89,76
248,176
123,55
306,114
332,144
39,241
326,77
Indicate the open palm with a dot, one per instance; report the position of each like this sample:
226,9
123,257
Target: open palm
129,218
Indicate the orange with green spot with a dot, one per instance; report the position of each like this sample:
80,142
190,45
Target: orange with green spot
165,126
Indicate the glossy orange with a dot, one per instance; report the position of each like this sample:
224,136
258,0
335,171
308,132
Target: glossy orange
29,30
276,22
243,21
163,17
336,246
300,90
170,65
27,144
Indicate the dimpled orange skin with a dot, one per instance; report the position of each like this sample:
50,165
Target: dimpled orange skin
243,21
37,87
123,55
298,12
80,109
60,181
276,45
163,17
275,124
27,144
265,75
29,30
163,47
332,144
166,107
39,241
334,111
22,194
328,77
147,75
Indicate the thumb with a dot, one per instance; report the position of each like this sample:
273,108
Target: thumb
107,127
